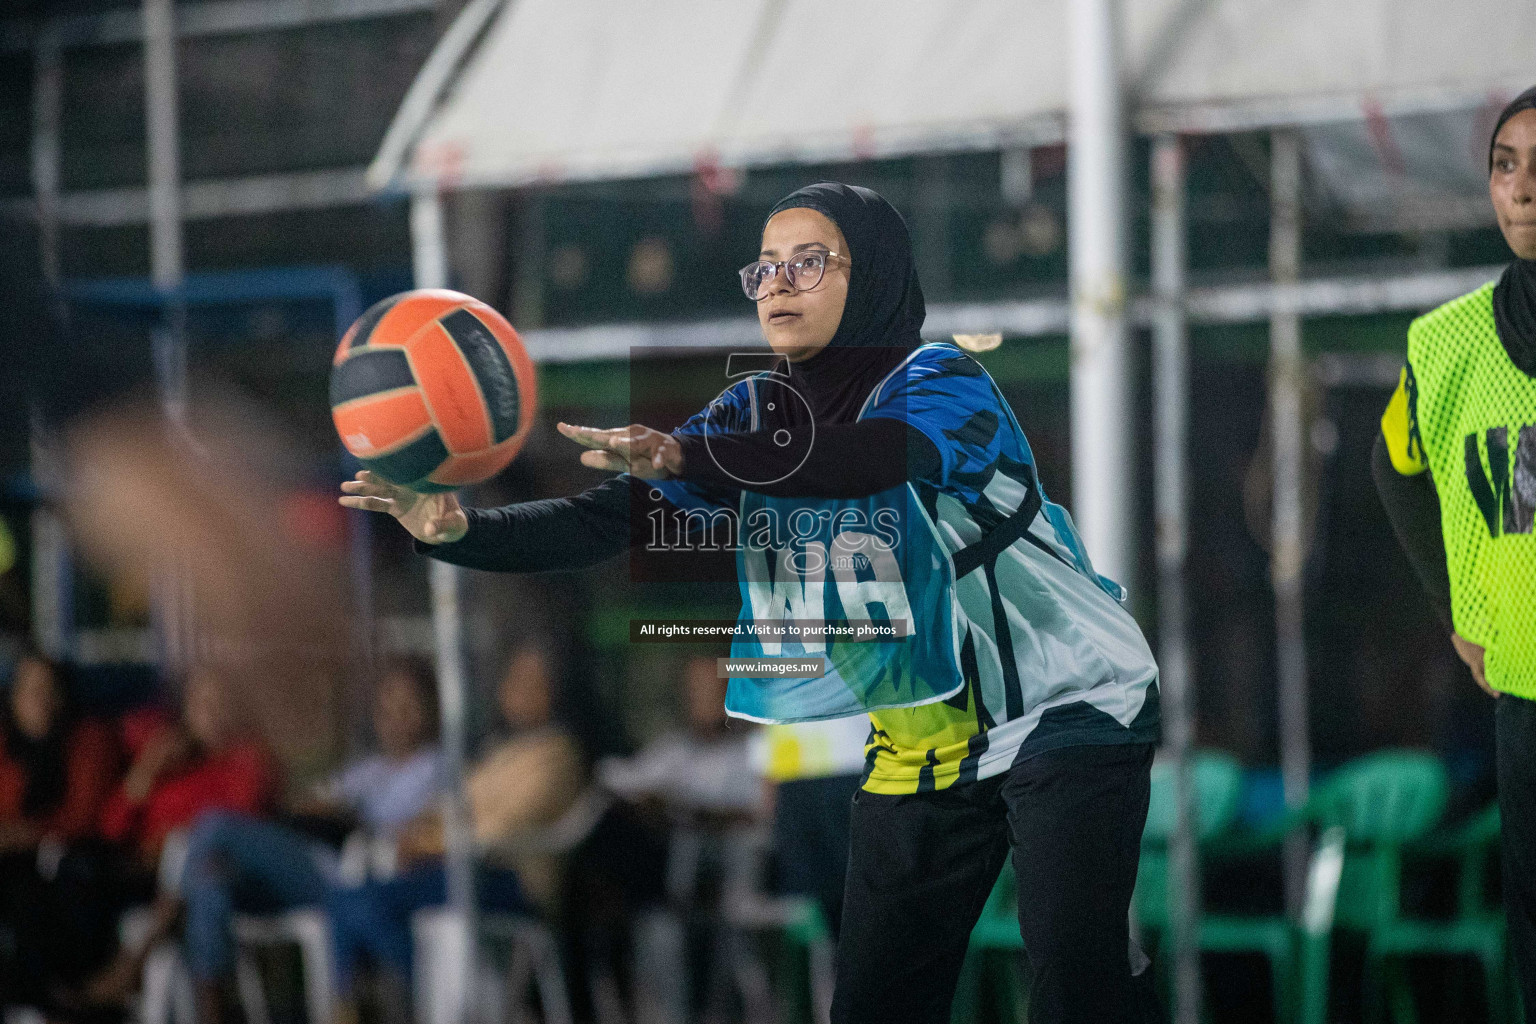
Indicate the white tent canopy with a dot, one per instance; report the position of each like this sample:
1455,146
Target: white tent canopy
561,90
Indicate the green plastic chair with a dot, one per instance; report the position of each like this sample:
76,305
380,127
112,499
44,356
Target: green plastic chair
804,971
1216,782
1217,785
1383,803
1477,930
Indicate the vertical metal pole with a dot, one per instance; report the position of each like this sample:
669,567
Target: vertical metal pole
47,113
165,243
1170,346
52,571
1287,547
347,306
174,598
1103,490
53,578
430,255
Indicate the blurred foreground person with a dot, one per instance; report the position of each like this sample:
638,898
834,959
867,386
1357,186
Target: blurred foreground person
58,881
1455,465
878,478
206,761
237,862
262,565
527,779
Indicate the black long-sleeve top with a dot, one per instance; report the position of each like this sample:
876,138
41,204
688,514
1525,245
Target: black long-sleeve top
848,460
1413,507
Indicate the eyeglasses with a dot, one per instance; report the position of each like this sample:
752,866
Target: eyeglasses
803,271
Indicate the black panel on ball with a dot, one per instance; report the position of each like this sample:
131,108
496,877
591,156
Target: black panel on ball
410,466
370,319
368,373
489,363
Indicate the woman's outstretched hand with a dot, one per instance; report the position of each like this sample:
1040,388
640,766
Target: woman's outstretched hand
635,449
430,518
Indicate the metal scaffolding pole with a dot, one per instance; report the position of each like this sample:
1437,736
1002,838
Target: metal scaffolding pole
430,256
166,264
52,569
1170,353
1287,540
1103,495
174,598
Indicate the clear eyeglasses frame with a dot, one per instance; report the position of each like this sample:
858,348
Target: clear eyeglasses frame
803,271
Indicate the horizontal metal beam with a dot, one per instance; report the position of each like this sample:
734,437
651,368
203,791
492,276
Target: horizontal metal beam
212,198
1334,296
1248,303
219,17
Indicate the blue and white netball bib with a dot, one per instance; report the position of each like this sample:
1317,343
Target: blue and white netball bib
825,567
971,558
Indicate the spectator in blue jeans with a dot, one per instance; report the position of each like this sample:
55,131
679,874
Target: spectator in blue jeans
238,863
525,780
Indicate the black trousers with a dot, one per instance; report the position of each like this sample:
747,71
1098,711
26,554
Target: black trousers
1515,731
922,866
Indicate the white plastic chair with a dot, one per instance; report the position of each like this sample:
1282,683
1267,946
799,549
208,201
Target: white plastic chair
167,995
535,955
535,959
307,928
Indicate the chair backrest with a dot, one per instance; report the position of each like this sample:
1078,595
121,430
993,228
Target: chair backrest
1216,782
1381,802
1390,797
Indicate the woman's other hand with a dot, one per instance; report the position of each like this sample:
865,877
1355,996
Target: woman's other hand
1472,654
430,518
635,449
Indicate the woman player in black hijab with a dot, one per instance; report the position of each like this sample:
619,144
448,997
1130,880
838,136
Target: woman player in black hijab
1455,465
883,480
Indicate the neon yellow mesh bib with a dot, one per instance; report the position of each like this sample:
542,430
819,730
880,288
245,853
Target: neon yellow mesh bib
1475,412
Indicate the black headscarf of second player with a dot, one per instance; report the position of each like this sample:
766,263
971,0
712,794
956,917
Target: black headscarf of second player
1514,297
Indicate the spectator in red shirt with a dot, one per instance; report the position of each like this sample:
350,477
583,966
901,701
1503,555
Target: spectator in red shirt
181,769
205,762
56,770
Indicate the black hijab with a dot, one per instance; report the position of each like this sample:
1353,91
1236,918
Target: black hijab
884,312
1514,297
44,761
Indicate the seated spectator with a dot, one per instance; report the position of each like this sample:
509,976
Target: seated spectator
180,770
702,772
240,863
527,779
56,878
390,789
